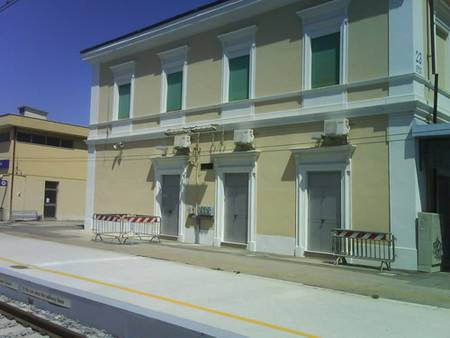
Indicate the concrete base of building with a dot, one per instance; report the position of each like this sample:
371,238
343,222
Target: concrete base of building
280,245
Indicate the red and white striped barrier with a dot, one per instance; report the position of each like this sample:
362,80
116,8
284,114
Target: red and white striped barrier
144,219
363,245
123,227
375,236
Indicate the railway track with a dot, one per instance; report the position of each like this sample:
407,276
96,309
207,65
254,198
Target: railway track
15,322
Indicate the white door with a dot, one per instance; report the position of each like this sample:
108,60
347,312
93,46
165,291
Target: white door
324,209
170,204
236,208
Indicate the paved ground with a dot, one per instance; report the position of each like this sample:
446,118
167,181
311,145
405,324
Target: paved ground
421,288
243,304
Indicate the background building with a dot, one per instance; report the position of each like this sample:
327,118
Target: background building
42,166
289,118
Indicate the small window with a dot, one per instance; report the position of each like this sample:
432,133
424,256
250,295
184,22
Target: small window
4,137
66,143
325,60
38,139
53,141
23,137
124,101
239,78
174,91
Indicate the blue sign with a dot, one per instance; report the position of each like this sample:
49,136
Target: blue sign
3,183
4,164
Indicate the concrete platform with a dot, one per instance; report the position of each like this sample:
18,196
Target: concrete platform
422,288
134,296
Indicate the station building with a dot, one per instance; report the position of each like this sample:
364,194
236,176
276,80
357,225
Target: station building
279,120
42,167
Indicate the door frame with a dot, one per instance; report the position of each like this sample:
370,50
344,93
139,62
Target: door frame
56,200
175,165
229,163
320,159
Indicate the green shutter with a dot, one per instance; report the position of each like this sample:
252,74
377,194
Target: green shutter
325,60
239,78
174,91
124,101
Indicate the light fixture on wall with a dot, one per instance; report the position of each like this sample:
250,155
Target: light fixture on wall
178,131
204,129
118,146
163,150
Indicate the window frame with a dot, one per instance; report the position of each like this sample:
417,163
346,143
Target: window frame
173,61
322,20
236,44
123,74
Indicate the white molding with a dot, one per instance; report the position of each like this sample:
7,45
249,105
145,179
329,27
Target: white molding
95,95
235,44
321,20
399,80
235,162
173,165
404,189
90,188
337,158
173,61
123,74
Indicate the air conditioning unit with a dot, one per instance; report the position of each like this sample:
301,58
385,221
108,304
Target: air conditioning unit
340,127
243,136
182,141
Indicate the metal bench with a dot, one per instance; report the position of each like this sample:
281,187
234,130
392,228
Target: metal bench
123,227
364,245
24,215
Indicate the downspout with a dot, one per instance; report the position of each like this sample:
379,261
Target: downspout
13,172
433,59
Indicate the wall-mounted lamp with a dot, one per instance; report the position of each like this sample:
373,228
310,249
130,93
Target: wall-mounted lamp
118,145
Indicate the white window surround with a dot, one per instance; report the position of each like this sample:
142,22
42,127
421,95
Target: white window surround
322,20
235,162
235,44
123,74
173,165
173,61
332,158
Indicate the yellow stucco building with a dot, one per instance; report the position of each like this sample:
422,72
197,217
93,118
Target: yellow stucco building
42,167
284,119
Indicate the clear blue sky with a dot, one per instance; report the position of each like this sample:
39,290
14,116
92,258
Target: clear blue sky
40,44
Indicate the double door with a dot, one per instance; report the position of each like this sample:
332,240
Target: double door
170,205
324,209
236,188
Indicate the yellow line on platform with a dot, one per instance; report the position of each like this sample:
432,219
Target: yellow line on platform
164,299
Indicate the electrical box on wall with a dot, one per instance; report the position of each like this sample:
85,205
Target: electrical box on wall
338,127
429,242
243,137
200,210
182,141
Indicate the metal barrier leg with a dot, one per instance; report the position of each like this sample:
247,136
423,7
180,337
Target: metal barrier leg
340,260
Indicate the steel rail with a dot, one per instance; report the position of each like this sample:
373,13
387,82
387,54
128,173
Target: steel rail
36,323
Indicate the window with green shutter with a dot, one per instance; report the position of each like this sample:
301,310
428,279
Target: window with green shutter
174,91
124,101
239,78
325,61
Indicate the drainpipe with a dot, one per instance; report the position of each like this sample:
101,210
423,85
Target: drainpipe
13,171
433,59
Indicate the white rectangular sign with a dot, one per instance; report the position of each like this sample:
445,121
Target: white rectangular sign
49,297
